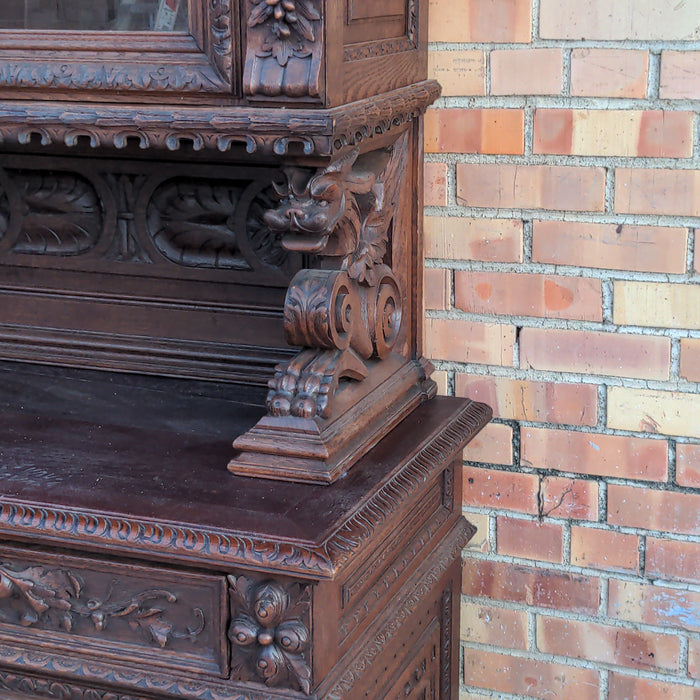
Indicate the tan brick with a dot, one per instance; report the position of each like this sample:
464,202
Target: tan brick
690,359
604,549
480,541
513,294
468,341
460,238
614,132
537,679
435,182
490,488
575,499
533,586
657,191
488,625
622,20
673,559
438,288
607,644
647,410
657,304
593,352
623,687
454,130
610,246
459,72
480,21
440,377
530,539
595,453
516,399
654,605
493,445
680,75
650,509
507,186
694,659
688,465
526,71
609,72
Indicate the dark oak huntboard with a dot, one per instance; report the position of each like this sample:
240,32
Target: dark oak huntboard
224,473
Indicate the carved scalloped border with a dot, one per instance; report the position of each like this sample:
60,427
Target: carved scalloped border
313,132
65,526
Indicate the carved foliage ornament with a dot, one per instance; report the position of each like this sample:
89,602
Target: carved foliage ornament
352,312
269,632
54,599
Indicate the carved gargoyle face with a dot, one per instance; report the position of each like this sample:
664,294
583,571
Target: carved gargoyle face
309,210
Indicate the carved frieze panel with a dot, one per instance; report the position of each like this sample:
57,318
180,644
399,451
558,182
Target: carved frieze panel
270,632
369,18
164,220
137,613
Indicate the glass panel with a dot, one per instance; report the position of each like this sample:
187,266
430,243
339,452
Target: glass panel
110,15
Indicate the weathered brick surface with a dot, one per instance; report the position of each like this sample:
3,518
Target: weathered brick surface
438,288
608,644
598,72
610,246
539,679
435,179
568,137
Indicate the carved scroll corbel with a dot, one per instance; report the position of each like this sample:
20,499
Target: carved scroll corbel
349,310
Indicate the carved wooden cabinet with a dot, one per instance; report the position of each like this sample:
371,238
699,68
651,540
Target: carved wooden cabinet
210,257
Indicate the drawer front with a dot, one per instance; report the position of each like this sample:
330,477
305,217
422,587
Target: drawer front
135,614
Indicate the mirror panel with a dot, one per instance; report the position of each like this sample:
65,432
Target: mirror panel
94,15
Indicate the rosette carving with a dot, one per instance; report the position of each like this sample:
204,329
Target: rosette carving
350,310
269,633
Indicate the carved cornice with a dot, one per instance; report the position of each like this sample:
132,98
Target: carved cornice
66,526
319,133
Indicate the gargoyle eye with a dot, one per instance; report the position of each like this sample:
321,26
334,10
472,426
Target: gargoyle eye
327,192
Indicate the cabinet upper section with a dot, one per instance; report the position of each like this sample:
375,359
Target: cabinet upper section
305,53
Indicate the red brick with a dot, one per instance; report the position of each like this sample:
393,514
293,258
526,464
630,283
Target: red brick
493,445
459,72
546,296
654,605
595,453
526,71
688,465
498,489
610,246
680,75
537,679
480,21
529,539
669,511
633,688
694,659
499,626
498,131
604,549
435,182
631,19
593,352
468,341
461,238
438,288
607,644
575,499
690,359
520,399
673,559
608,132
507,186
657,191
609,72
531,586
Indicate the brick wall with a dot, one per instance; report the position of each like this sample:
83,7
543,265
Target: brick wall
563,288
